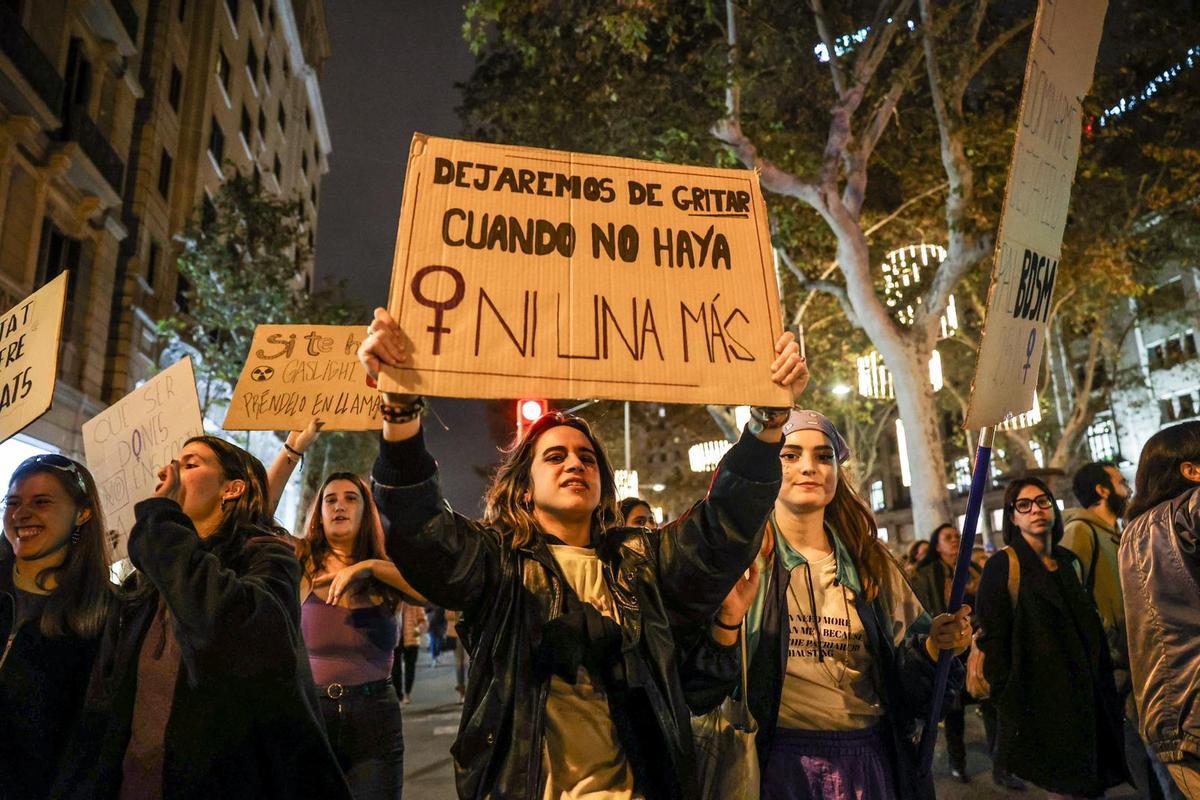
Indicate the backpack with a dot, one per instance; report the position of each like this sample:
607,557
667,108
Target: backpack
977,685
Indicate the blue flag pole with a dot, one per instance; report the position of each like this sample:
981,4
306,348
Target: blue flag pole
958,587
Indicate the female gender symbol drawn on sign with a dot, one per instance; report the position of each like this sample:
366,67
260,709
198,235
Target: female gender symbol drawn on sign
439,307
1029,354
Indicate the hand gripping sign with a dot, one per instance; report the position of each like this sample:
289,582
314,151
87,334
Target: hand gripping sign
520,270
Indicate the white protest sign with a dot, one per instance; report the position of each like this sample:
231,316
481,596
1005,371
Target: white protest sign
126,444
1062,59
29,337
295,373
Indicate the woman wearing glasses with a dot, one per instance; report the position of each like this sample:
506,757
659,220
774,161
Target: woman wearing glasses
1046,657
203,687
54,599
574,689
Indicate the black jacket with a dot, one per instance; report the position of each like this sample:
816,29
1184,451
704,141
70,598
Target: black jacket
905,686
244,720
509,596
1048,665
42,681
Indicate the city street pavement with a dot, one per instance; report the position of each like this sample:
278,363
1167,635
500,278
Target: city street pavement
431,722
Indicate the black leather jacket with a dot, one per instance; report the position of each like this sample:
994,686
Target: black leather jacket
660,580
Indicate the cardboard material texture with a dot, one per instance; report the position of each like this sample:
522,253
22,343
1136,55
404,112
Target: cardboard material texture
297,372
30,333
522,272
126,444
1062,59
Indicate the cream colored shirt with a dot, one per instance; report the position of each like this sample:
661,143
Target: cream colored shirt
582,758
836,692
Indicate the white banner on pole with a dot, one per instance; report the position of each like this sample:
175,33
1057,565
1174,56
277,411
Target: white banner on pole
1062,60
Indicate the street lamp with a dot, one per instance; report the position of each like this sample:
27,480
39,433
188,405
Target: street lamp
529,411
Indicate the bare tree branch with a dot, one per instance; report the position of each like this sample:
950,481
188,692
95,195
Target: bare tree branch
728,131
835,67
829,287
991,49
905,206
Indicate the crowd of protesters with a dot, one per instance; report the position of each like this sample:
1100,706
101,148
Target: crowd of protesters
596,650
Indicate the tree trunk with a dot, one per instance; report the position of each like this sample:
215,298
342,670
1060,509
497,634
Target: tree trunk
923,441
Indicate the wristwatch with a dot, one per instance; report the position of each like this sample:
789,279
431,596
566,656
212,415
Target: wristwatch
763,417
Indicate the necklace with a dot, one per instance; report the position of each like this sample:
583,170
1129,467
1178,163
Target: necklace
815,619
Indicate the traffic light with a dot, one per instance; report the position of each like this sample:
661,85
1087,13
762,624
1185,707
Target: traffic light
529,411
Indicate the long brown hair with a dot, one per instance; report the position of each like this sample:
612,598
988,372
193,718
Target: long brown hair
246,516
83,596
1158,476
505,508
313,549
851,517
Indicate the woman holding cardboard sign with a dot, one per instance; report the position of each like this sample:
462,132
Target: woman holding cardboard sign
574,686
203,687
55,597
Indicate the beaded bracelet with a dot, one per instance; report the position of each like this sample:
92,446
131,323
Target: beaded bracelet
397,415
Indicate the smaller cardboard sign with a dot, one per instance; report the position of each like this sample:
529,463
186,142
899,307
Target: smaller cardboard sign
297,372
29,336
126,444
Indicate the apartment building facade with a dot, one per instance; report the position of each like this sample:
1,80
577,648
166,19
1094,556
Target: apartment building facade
118,118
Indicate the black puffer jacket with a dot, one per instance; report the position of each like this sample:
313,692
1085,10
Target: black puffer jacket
684,571
244,720
42,681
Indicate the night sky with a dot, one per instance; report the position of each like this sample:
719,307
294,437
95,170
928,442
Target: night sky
391,73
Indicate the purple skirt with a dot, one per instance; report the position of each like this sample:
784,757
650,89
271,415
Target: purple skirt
827,765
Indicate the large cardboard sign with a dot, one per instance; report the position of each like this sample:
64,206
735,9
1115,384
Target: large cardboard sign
297,372
29,335
1062,59
523,272
126,444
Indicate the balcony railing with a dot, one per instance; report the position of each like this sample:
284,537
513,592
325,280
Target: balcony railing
22,50
129,17
79,127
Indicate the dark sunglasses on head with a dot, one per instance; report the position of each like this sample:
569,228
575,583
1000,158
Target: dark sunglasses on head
1025,504
60,463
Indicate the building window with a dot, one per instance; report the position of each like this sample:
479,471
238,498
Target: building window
232,7
59,253
308,119
246,129
304,163
1102,440
216,142
262,125
267,71
1171,351
152,263
1179,406
164,173
181,10
258,8
181,291
252,62
176,87
278,170
282,119
313,196
878,498
223,70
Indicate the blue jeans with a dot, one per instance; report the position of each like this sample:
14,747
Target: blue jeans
367,734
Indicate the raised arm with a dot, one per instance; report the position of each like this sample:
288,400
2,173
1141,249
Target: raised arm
257,610
445,557
702,553
281,469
